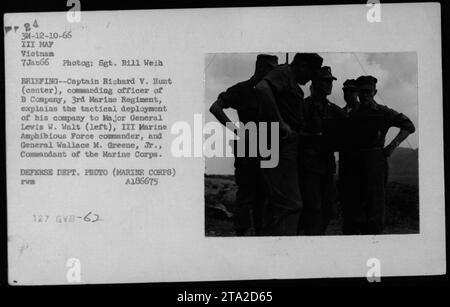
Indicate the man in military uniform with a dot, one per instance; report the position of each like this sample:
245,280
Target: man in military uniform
348,158
350,96
280,99
250,195
317,162
364,210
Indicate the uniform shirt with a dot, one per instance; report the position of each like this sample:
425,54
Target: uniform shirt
242,98
316,154
388,118
288,94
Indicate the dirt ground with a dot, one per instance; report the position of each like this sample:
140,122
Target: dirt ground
402,209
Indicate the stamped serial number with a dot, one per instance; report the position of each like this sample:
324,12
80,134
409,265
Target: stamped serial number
90,217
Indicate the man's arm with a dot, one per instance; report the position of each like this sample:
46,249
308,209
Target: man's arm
406,128
217,110
269,106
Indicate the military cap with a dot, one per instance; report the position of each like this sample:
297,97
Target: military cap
271,60
325,73
366,82
350,84
312,59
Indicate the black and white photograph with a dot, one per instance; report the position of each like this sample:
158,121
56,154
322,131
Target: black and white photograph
261,145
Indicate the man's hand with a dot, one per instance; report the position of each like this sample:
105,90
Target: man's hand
389,149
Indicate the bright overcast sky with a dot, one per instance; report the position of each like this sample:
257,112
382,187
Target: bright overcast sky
396,74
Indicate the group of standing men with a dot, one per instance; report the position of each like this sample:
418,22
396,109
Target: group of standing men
298,196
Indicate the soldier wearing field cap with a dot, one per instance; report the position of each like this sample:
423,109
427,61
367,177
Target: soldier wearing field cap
317,162
250,196
280,99
364,211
